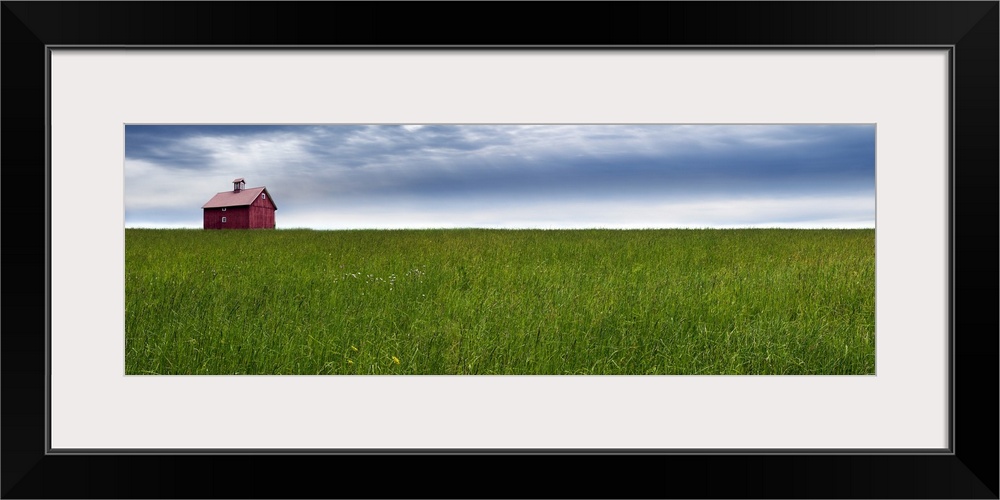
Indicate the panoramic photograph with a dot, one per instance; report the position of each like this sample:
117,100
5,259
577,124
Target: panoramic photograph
500,249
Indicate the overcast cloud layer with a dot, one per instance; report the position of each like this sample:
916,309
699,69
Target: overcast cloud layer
512,176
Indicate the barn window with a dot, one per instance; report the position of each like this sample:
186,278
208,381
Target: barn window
223,220
263,196
223,209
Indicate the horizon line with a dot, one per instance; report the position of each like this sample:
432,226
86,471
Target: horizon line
509,228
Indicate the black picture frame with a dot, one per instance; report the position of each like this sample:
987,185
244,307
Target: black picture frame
968,470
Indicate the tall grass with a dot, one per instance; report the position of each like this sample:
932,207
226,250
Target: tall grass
476,301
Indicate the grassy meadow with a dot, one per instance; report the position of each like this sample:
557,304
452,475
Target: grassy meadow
492,302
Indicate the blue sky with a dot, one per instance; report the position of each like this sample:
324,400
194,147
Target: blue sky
509,176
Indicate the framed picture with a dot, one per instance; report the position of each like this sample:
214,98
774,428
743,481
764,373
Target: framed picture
920,76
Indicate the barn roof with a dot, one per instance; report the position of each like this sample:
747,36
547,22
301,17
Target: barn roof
240,199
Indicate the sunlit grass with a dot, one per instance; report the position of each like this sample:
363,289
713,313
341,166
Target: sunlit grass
476,301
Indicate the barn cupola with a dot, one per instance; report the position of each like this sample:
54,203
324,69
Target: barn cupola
238,185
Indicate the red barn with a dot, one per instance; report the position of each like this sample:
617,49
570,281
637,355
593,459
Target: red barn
241,208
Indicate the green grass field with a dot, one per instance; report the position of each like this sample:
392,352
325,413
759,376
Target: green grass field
522,302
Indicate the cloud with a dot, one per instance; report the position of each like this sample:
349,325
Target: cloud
800,212
312,168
